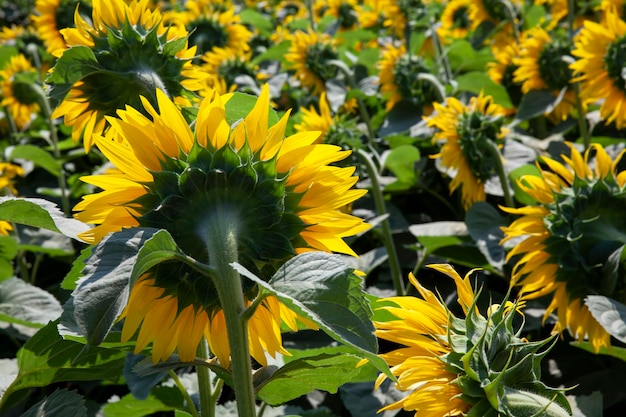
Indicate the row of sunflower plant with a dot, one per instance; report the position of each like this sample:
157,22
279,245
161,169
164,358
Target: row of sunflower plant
314,208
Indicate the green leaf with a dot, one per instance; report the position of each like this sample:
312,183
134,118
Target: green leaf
256,20
8,252
102,293
37,212
401,118
611,315
240,105
46,359
320,287
614,351
44,241
23,304
160,247
402,162
463,57
38,156
366,372
483,223
71,279
478,81
61,403
160,399
76,63
536,103
296,378
515,175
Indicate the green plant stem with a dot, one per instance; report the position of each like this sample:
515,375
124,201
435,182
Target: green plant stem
54,142
379,201
205,388
504,182
221,242
191,407
582,123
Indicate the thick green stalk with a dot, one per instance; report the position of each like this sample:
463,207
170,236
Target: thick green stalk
191,407
205,388
221,235
379,201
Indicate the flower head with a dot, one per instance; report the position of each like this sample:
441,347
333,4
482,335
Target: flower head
51,16
399,79
471,365
223,66
309,56
17,96
571,233
468,133
212,25
599,66
127,52
283,192
455,23
541,67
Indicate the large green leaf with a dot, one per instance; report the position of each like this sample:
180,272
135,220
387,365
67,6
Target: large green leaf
60,403
402,162
26,306
611,314
160,247
160,399
478,81
102,292
38,156
240,105
41,213
484,223
321,287
536,103
46,359
326,372
8,251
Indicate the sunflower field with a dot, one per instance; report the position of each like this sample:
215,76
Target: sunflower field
341,208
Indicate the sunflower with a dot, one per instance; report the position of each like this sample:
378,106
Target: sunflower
449,365
346,12
455,23
17,97
212,24
599,67
284,192
309,55
571,233
116,73
541,67
314,121
223,66
399,80
51,16
612,6
469,134
503,69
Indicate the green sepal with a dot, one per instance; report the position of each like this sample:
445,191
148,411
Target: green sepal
522,403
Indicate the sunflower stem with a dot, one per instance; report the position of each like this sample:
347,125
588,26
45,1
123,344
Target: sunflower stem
205,389
44,103
379,201
504,182
191,406
221,242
